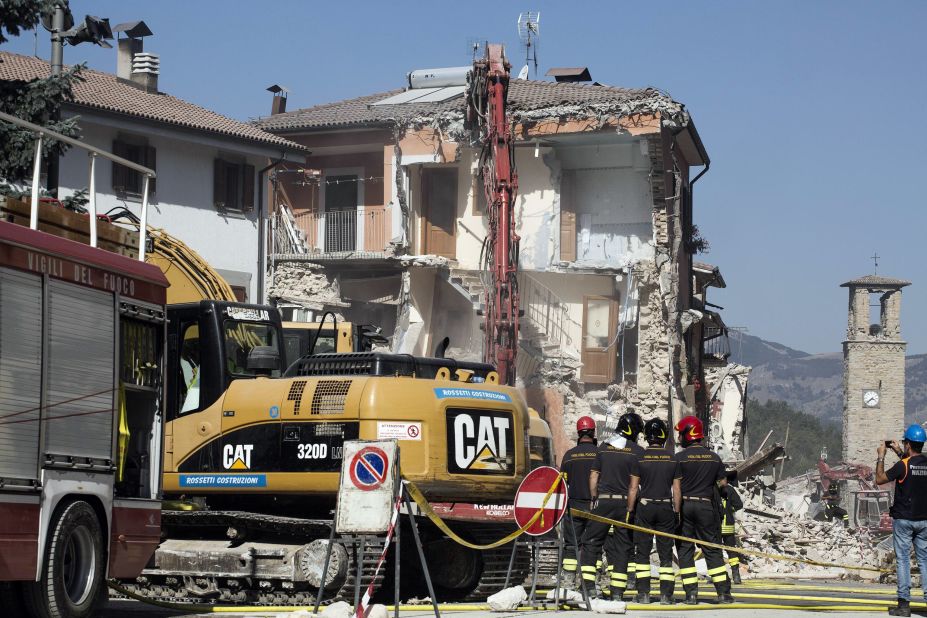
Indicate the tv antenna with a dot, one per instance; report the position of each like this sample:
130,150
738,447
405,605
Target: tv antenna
529,32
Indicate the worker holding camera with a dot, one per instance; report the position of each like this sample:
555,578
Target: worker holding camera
909,510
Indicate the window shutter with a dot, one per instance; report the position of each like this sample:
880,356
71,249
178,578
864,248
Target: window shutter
120,172
218,184
151,160
247,191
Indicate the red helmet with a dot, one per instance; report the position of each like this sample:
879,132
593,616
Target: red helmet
585,423
690,430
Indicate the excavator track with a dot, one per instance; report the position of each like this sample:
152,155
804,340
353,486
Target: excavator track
204,588
486,574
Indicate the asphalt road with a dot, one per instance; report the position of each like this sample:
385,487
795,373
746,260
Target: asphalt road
753,600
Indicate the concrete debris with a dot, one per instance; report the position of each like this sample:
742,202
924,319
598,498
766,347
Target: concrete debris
566,595
601,606
508,599
339,609
305,284
377,611
727,394
422,260
777,531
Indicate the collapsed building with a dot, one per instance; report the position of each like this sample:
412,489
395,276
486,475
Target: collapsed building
385,224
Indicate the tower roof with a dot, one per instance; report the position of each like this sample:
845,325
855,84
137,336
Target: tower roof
876,281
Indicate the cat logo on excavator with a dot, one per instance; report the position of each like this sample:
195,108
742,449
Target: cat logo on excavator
480,442
237,456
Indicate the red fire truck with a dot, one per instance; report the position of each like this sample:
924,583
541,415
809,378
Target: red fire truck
82,334
81,340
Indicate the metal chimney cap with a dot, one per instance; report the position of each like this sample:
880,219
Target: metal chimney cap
134,29
277,88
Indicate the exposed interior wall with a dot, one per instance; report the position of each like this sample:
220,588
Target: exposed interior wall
727,423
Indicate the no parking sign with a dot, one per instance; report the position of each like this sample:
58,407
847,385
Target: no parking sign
368,484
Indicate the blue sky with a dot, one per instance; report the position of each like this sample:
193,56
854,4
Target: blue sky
812,112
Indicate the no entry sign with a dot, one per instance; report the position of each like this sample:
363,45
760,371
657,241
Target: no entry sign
369,468
530,497
367,489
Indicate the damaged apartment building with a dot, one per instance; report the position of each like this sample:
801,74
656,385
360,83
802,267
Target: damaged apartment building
385,225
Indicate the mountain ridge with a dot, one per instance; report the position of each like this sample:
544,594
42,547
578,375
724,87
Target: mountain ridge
813,383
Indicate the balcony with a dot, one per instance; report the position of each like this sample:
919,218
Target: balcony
716,345
343,234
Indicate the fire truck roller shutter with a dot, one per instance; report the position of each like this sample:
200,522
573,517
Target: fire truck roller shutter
20,373
81,363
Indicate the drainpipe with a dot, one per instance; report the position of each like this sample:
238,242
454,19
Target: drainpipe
262,228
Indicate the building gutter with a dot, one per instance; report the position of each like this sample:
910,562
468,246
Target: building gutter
262,226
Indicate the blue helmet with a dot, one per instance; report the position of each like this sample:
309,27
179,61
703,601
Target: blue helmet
915,433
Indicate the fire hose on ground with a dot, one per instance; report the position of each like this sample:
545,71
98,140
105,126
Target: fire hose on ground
846,604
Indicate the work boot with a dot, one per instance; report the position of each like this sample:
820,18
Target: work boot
692,597
735,575
642,598
617,593
725,597
666,592
903,608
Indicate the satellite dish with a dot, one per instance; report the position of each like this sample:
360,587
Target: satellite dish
529,32
523,74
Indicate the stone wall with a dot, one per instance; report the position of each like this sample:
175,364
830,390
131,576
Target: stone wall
877,365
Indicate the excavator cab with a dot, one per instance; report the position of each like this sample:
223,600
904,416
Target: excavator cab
304,338
211,343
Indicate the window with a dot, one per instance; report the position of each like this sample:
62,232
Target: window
233,186
240,339
128,183
190,369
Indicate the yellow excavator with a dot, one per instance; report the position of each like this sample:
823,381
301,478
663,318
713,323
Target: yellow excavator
253,447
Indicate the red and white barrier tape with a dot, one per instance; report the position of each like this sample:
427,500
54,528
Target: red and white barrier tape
362,606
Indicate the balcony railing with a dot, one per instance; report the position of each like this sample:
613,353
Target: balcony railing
716,345
364,230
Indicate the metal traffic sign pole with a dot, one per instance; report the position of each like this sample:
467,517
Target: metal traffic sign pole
421,552
542,489
398,481
559,565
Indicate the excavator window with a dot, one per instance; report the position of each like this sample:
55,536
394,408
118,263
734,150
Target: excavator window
190,368
240,339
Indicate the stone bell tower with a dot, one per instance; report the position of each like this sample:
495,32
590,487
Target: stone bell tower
873,367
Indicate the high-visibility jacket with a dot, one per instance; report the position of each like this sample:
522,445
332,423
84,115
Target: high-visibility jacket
730,502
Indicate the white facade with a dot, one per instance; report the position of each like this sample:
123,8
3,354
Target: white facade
183,203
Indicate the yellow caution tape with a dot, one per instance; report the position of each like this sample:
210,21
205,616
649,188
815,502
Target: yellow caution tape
422,503
739,550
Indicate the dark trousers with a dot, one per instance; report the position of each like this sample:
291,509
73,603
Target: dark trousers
836,512
730,540
617,549
573,535
657,516
700,520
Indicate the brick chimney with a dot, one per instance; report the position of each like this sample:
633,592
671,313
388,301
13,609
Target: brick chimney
278,105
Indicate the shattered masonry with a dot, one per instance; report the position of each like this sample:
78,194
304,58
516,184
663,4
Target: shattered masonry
634,247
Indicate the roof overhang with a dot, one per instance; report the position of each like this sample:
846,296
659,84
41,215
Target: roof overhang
690,145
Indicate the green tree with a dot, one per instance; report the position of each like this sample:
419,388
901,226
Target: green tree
37,101
808,435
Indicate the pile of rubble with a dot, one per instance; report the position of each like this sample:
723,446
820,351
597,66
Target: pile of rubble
774,530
